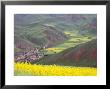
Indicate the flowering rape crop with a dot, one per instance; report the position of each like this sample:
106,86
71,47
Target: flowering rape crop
52,50
27,69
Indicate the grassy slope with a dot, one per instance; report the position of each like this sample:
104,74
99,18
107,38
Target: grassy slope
61,59
34,30
30,26
34,33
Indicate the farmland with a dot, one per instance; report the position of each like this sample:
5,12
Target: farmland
26,69
74,39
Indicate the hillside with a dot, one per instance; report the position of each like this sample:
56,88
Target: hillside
81,55
45,36
49,34
48,29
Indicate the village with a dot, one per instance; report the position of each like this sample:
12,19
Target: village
29,55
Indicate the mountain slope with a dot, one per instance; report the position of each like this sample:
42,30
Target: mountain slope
48,29
43,36
82,55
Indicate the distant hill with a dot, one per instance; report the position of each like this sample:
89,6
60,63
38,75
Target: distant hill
82,55
34,30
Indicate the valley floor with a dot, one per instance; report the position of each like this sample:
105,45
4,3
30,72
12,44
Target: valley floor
74,39
27,69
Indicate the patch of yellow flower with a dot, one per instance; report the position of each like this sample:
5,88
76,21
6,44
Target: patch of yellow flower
69,33
54,49
27,69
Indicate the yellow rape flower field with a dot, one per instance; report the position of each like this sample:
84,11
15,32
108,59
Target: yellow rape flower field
54,49
27,69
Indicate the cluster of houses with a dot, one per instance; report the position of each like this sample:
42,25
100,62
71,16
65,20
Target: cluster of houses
28,55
